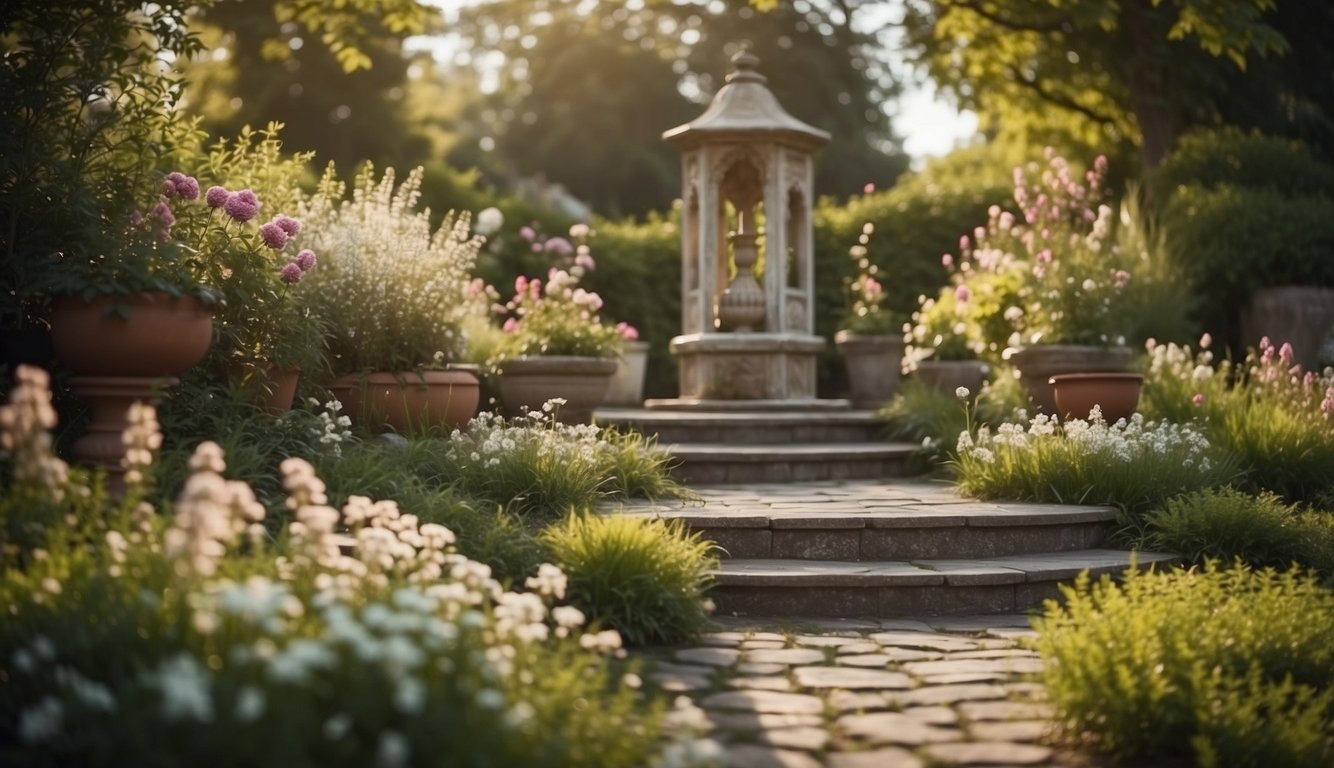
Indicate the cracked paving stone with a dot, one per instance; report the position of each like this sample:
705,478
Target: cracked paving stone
765,701
895,728
857,701
886,757
808,739
1011,730
786,656
761,683
950,694
751,668
755,756
1005,710
864,661
851,679
713,657
1019,666
988,753
749,721
926,640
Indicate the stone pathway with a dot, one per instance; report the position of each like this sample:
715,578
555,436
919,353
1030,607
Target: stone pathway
894,693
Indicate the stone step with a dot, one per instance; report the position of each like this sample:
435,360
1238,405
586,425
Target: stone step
893,523
715,463
926,587
746,426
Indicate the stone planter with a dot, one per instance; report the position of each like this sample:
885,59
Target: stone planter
529,382
1298,314
1115,394
874,364
119,359
627,383
948,375
1037,364
409,403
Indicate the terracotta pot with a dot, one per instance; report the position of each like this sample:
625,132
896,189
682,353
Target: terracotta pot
270,388
1037,364
874,365
1116,394
529,382
627,384
409,403
948,375
160,336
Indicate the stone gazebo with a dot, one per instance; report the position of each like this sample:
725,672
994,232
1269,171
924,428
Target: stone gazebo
747,288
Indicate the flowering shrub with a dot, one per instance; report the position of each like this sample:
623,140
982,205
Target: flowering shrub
1276,418
865,296
1133,464
940,330
392,290
557,317
358,637
1053,275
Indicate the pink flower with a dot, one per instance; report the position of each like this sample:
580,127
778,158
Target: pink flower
627,331
511,325
187,187
579,230
290,273
537,248
1285,354
868,189
305,259
520,284
1044,256
585,259
216,197
560,246
242,206
273,235
288,224
1198,400
873,287
1122,277
962,294
162,212
963,243
947,261
136,218
527,233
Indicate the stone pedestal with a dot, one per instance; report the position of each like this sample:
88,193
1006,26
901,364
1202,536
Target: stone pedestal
747,366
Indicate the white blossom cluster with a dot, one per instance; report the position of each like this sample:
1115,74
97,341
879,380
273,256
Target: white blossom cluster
393,290
335,427
489,439
1123,441
24,435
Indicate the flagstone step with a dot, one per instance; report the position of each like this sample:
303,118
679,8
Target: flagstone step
747,426
714,463
893,522
926,587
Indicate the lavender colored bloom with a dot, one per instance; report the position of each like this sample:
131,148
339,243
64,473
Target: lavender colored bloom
305,259
242,206
289,225
560,246
216,197
162,212
188,188
290,273
273,235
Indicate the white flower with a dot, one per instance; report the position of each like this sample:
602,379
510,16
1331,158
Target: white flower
249,704
392,751
185,685
42,721
962,393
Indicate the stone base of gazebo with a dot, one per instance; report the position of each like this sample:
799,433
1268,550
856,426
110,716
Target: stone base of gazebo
746,367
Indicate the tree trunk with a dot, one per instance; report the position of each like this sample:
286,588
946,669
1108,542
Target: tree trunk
1147,76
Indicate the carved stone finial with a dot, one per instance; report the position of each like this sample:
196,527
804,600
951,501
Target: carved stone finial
744,64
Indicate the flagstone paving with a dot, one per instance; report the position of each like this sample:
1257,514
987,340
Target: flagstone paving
900,693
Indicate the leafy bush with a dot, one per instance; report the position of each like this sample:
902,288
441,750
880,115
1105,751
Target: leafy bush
1134,466
645,578
1216,667
133,638
1224,524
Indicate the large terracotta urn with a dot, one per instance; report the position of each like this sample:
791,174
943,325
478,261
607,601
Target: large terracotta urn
1116,395
526,383
874,364
409,403
1038,363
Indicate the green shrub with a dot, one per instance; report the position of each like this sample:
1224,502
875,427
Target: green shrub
1215,668
645,578
1224,524
923,414
1231,157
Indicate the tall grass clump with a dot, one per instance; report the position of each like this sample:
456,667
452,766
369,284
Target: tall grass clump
1225,524
358,637
923,414
1134,466
534,464
646,578
1277,419
1216,667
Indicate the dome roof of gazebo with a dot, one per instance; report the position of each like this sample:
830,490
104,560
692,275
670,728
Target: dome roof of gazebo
746,108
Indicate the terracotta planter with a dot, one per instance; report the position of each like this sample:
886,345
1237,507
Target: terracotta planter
1037,364
948,375
409,403
161,335
270,388
1116,394
529,382
874,365
627,383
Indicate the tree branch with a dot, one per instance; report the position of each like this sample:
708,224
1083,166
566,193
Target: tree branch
1061,101
1055,25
